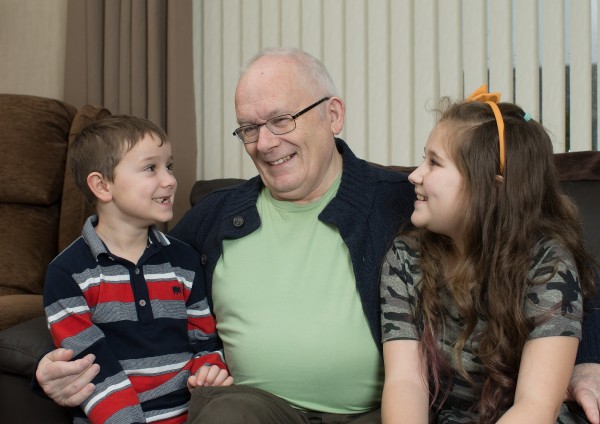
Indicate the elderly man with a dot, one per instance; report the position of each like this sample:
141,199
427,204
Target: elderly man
292,260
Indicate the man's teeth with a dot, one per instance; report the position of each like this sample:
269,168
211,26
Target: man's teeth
278,161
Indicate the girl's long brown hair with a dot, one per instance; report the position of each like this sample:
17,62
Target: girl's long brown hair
504,218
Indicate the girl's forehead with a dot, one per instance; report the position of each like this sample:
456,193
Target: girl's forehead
439,137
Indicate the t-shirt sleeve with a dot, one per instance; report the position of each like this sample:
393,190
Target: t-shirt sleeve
554,301
400,271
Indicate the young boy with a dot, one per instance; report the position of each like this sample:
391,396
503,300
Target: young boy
124,291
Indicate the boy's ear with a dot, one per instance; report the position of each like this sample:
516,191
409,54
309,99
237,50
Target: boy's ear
99,187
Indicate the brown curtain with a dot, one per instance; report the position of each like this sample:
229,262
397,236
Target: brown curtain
135,57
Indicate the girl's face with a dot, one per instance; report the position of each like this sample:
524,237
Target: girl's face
439,188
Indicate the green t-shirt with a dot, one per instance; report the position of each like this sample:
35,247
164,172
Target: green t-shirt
290,316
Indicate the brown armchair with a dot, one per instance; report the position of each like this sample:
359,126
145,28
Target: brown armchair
41,212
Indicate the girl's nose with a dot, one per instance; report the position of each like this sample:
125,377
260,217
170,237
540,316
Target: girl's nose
415,176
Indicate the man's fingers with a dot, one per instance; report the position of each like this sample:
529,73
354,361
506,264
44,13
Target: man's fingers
584,388
590,404
81,395
73,391
59,354
51,369
65,382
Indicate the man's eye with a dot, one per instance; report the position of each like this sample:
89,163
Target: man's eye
281,121
248,131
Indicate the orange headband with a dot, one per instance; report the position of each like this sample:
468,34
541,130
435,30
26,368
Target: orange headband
482,95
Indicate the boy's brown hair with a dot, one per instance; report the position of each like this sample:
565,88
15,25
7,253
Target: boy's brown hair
100,146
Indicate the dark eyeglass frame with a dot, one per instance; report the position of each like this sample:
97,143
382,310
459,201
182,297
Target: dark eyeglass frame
238,132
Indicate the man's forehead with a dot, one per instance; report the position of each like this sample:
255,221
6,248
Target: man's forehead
264,107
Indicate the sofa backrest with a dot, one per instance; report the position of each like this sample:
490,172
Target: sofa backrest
36,200
580,178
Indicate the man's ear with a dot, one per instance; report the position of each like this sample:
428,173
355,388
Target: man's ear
336,111
99,186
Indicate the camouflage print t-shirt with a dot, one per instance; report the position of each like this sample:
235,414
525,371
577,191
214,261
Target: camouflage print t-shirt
400,278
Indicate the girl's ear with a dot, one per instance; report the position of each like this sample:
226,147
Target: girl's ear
99,187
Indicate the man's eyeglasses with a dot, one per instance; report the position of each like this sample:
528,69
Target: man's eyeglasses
278,125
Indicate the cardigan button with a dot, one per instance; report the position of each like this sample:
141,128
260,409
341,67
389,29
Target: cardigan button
238,221
203,259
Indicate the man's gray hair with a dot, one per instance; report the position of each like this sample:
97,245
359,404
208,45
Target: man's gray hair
312,67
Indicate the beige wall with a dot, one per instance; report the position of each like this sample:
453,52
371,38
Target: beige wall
32,47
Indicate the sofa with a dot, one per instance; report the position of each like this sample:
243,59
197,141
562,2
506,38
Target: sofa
23,344
41,212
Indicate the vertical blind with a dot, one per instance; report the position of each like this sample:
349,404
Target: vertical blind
392,60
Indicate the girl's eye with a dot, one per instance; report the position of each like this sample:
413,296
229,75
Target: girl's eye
150,167
430,161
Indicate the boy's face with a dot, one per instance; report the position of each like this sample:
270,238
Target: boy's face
143,190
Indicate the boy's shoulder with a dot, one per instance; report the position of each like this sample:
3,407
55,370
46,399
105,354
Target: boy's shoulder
77,255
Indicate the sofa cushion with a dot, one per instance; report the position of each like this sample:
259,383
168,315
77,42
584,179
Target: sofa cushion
34,146
203,187
578,166
579,173
580,178
17,308
586,195
22,346
28,239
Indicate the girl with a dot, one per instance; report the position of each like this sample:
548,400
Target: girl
482,302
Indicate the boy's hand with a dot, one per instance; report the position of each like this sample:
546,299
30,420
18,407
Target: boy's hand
209,375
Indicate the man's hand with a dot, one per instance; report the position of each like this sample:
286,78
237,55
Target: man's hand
67,383
209,375
584,388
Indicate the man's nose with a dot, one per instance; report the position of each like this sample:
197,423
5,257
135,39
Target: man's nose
266,139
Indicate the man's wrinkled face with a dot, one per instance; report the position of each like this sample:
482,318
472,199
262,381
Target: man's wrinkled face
296,166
